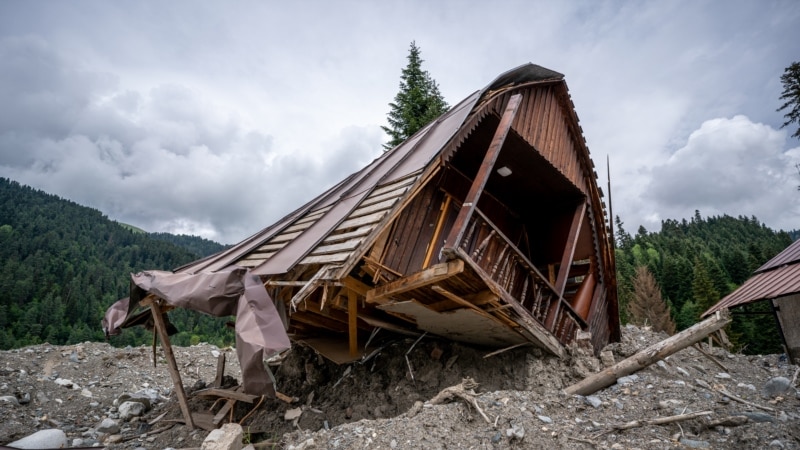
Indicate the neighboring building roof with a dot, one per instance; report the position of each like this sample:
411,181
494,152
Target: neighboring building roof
780,276
309,234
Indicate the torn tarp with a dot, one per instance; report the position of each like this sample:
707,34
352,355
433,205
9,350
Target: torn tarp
260,333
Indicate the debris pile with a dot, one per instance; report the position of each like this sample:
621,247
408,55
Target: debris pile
438,395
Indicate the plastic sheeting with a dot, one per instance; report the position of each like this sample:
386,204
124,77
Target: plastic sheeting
260,333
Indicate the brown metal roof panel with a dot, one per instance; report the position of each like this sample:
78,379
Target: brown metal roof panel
766,285
790,254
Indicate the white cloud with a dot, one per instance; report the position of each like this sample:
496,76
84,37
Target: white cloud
728,166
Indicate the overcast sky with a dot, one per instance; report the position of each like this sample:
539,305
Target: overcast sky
216,118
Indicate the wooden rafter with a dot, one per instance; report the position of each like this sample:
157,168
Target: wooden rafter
434,274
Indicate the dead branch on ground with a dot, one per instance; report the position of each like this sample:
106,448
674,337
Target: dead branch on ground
465,391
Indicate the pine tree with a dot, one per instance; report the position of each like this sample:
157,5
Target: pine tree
647,306
704,294
416,104
791,95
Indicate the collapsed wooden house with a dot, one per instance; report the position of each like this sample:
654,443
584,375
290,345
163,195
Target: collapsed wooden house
486,227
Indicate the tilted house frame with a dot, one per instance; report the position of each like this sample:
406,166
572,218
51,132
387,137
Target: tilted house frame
486,227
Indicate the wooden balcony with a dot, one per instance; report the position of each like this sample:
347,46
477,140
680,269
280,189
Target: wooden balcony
487,293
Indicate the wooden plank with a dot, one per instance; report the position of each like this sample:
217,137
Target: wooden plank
395,194
250,262
360,232
284,236
326,259
352,315
203,421
336,248
312,284
439,223
356,285
426,277
455,298
223,412
161,329
220,370
228,393
364,210
363,220
400,182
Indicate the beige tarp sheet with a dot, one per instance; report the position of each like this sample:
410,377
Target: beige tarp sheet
260,333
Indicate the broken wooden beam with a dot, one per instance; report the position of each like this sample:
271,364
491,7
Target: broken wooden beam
429,276
651,354
161,329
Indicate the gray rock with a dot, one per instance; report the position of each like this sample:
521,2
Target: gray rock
496,438
227,437
108,426
545,419
131,409
52,438
630,379
683,371
776,444
9,399
516,431
723,376
691,443
778,386
593,400
41,397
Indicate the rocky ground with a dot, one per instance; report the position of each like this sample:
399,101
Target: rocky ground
409,395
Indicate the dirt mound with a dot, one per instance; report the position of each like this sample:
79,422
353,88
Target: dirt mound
390,398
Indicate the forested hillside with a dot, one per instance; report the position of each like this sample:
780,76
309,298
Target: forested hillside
697,262
63,264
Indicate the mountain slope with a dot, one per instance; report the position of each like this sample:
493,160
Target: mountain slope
63,264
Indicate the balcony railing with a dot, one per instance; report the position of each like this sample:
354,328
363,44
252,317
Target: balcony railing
502,261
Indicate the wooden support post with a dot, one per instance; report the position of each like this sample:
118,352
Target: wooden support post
569,250
161,328
654,353
352,320
220,370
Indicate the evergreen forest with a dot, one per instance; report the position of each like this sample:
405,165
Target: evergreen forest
62,265
696,262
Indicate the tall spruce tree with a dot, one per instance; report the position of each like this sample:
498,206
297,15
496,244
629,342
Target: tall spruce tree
791,96
416,104
647,307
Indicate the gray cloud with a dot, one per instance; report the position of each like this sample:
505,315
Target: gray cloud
217,120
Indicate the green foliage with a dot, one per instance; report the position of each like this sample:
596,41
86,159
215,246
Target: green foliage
416,104
62,265
791,96
696,263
